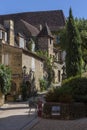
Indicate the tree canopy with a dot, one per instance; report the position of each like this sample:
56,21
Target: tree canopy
73,48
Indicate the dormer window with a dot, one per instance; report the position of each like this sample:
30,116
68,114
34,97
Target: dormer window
20,39
0,34
3,35
21,42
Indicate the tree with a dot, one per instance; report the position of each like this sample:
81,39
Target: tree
82,27
5,79
73,49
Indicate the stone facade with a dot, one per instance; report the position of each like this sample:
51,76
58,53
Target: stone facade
11,56
35,64
17,58
15,53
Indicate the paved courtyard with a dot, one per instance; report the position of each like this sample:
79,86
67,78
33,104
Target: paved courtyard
46,124
14,116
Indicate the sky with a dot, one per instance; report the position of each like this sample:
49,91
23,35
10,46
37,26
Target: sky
79,7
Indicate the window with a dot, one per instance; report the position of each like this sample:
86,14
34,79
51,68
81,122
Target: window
57,39
21,42
33,64
33,47
50,40
0,34
5,36
5,59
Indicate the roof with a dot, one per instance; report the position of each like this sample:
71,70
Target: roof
33,30
45,32
2,27
55,19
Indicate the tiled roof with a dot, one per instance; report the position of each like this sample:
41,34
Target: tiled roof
33,30
2,27
45,32
55,19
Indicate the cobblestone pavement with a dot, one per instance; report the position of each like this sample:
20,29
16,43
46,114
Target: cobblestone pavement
46,124
14,116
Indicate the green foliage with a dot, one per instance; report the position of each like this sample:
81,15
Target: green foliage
47,109
60,94
29,45
47,66
52,96
72,89
73,50
63,38
5,79
24,91
78,88
82,26
43,84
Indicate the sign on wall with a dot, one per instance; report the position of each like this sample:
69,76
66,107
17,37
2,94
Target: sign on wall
55,110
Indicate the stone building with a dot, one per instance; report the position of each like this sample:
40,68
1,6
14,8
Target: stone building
21,35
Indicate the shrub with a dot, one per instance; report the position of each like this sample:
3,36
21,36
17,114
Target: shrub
72,89
78,87
43,84
5,79
52,95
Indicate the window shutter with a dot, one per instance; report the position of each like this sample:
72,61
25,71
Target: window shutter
0,34
6,36
21,42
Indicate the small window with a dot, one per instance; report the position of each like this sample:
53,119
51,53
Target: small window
21,42
58,39
6,36
5,59
3,35
50,41
33,47
0,34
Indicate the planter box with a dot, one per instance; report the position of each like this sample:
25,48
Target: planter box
64,110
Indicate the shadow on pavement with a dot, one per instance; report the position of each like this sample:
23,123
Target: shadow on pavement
16,122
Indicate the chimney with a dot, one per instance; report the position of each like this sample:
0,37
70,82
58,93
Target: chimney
9,25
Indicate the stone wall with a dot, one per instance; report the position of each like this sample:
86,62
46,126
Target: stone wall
14,61
35,64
